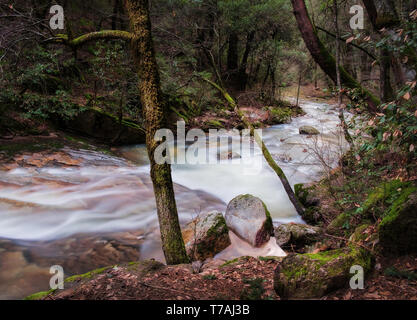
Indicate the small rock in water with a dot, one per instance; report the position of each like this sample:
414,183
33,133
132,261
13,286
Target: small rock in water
296,235
249,218
309,130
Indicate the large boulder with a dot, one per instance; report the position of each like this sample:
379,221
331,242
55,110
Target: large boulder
206,236
398,229
296,236
309,130
249,218
309,276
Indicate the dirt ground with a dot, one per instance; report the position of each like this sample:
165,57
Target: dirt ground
247,278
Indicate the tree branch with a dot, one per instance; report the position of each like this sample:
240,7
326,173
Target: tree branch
93,36
351,43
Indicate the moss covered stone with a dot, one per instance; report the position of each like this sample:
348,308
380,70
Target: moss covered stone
296,236
398,229
338,223
249,218
305,276
206,236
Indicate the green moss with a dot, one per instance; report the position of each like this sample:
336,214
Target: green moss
301,193
40,295
209,277
397,206
214,124
386,192
270,258
340,221
229,262
87,275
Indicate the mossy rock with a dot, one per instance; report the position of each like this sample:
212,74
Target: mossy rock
309,276
279,115
381,197
338,223
296,236
309,130
398,229
206,236
248,217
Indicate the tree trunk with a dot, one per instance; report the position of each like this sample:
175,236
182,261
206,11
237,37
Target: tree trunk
322,56
232,52
338,79
243,76
154,116
382,14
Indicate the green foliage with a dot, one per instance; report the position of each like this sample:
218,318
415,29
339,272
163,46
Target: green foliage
40,106
402,274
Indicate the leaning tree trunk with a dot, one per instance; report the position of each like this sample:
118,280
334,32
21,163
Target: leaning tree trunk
267,155
322,56
154,116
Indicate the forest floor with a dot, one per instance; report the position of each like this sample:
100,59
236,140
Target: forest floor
246,278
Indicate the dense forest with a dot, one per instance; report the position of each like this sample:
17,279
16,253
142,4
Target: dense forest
317,201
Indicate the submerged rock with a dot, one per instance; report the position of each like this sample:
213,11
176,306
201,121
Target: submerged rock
398,229
295,235
248,217
309,130
206,236
307,276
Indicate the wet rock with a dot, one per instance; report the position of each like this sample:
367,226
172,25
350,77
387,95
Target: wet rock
296,236
398,229
309,130
337,223
206,236
304,194
248,217
308,276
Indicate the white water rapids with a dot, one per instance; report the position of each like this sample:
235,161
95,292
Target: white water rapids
109,194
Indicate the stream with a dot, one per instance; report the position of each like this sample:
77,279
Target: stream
102,211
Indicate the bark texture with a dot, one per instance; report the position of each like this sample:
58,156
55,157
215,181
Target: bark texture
154,116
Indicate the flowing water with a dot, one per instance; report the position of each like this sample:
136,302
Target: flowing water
102,211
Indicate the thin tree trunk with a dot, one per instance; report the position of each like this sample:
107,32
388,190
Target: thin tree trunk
323,57
338,80
299,87
154,115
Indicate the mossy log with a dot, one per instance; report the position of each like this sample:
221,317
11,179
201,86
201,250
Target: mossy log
93,36
267,155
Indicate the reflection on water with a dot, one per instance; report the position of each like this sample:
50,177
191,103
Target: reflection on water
102,211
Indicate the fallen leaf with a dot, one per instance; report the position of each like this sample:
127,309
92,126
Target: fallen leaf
407,96
350,39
